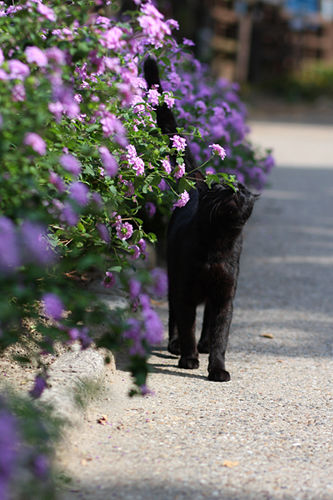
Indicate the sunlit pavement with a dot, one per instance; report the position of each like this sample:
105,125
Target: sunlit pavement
266,434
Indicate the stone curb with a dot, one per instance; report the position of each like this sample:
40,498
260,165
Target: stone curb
66,375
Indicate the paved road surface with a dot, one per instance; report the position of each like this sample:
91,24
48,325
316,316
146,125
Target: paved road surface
268,433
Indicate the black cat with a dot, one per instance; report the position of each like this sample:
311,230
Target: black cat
204,247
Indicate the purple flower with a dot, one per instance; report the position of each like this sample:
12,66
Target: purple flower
150,209
134,288
154,329
40,385
182,200
36,142
36,55
57,182
218,150
18,70
2,57
269,163
34,244
179,171
136,252
9,449
109,280
142,246
9,254
69,215
160,282
71,164
124,231
103,232
109,163
41,466
53,306
178,142
133,333
188,42
79,193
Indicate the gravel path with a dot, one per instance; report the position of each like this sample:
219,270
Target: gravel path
266,434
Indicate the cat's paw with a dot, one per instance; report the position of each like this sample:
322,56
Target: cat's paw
189,363
203,347
219,375
174,347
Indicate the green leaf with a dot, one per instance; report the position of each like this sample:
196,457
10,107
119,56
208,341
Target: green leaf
136,236
166,61
115,269
185,185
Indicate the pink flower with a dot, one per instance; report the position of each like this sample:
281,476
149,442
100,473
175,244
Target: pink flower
18,93
178,142
71,164
135,161
47,12
166,165
182,200
18,70
169,100
56,54
179,171
109,280
218,150
153,96
112,39
138,166
36,142
2,57
109,163
36,55
57,109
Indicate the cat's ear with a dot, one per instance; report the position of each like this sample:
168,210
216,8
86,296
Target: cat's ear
200,180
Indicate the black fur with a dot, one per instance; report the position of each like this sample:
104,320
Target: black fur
204,248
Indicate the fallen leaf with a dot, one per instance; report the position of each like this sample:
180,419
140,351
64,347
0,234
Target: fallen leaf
267,335
228,463
102,420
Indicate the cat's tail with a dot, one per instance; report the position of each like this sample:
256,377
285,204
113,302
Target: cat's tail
165,117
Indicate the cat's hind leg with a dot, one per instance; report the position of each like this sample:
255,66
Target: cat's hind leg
220,321
173,344
203,344
186,330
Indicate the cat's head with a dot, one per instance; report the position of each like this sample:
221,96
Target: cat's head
223,204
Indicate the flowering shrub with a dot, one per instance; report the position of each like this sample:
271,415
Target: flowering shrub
82,158
27,435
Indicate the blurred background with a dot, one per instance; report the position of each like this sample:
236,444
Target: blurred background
280,51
